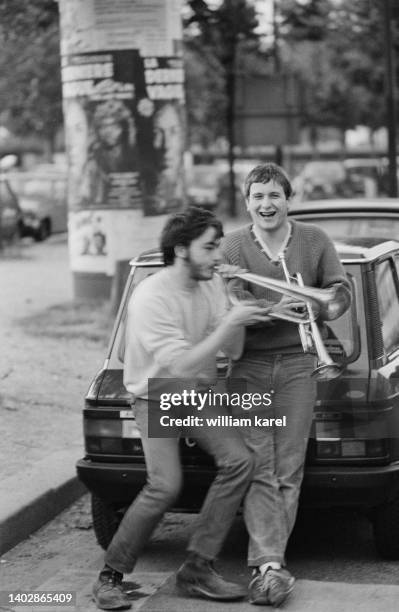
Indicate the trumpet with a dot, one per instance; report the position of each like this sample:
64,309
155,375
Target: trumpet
310,333
329,301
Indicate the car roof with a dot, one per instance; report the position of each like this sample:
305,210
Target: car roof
364,249
346,206
152,257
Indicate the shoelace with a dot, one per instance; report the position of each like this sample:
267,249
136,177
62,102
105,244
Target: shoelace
113,578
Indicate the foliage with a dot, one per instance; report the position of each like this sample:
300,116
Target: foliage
205,95
30,81
338,48
217,40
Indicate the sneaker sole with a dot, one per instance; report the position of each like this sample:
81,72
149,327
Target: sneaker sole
279,600
191,589
126,606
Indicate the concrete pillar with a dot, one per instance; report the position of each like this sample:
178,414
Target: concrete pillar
123,100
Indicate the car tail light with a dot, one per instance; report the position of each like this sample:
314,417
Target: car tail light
103,428
112,437
328,449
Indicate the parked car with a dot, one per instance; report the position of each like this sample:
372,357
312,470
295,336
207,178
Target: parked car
350,218
202,186
373,171
11,219
43,199
208,185
353,453
324,180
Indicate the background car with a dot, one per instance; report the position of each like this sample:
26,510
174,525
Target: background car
11,222
328,179
318,180
208,185
43,199
202,185
353,452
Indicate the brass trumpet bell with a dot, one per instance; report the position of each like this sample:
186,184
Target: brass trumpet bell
329,301
326,371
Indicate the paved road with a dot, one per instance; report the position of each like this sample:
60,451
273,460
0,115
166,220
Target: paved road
332,556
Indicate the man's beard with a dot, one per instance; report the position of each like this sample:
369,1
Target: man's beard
199,271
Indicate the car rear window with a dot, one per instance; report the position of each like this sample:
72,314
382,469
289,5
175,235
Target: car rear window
341,341
354,226
118,346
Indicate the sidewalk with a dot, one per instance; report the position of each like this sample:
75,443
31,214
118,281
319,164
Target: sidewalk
49,353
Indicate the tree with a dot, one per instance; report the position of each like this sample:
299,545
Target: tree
338,49
30,80
223,33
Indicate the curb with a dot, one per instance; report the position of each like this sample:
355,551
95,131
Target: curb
35,496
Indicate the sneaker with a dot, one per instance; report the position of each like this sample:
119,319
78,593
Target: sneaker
198,578
108,592
271,589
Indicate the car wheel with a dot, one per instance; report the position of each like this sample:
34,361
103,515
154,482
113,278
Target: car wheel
42,232
386,529
106,519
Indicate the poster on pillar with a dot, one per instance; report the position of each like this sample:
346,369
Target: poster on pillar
162,150
123,101
123,107
100,93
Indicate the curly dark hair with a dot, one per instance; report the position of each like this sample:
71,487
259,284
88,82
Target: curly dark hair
265,173
182,228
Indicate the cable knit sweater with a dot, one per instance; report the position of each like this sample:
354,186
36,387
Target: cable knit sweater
309,251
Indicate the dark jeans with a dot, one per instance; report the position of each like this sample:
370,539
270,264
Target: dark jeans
271,503
164,479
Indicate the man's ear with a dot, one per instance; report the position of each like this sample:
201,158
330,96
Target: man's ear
181,251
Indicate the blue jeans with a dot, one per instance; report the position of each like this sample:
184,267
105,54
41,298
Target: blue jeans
164,479
271,502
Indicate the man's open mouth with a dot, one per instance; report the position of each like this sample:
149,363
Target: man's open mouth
267,215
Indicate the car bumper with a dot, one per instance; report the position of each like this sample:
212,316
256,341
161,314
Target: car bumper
357,487
121,482
362,487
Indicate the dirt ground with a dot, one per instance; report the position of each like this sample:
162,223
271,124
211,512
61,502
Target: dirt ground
51,347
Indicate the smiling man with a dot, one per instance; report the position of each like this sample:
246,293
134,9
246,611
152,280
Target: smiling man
273,361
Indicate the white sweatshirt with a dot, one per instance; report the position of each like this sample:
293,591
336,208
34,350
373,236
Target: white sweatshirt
165,320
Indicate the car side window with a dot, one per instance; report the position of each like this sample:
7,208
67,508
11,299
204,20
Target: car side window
388,303
342,335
